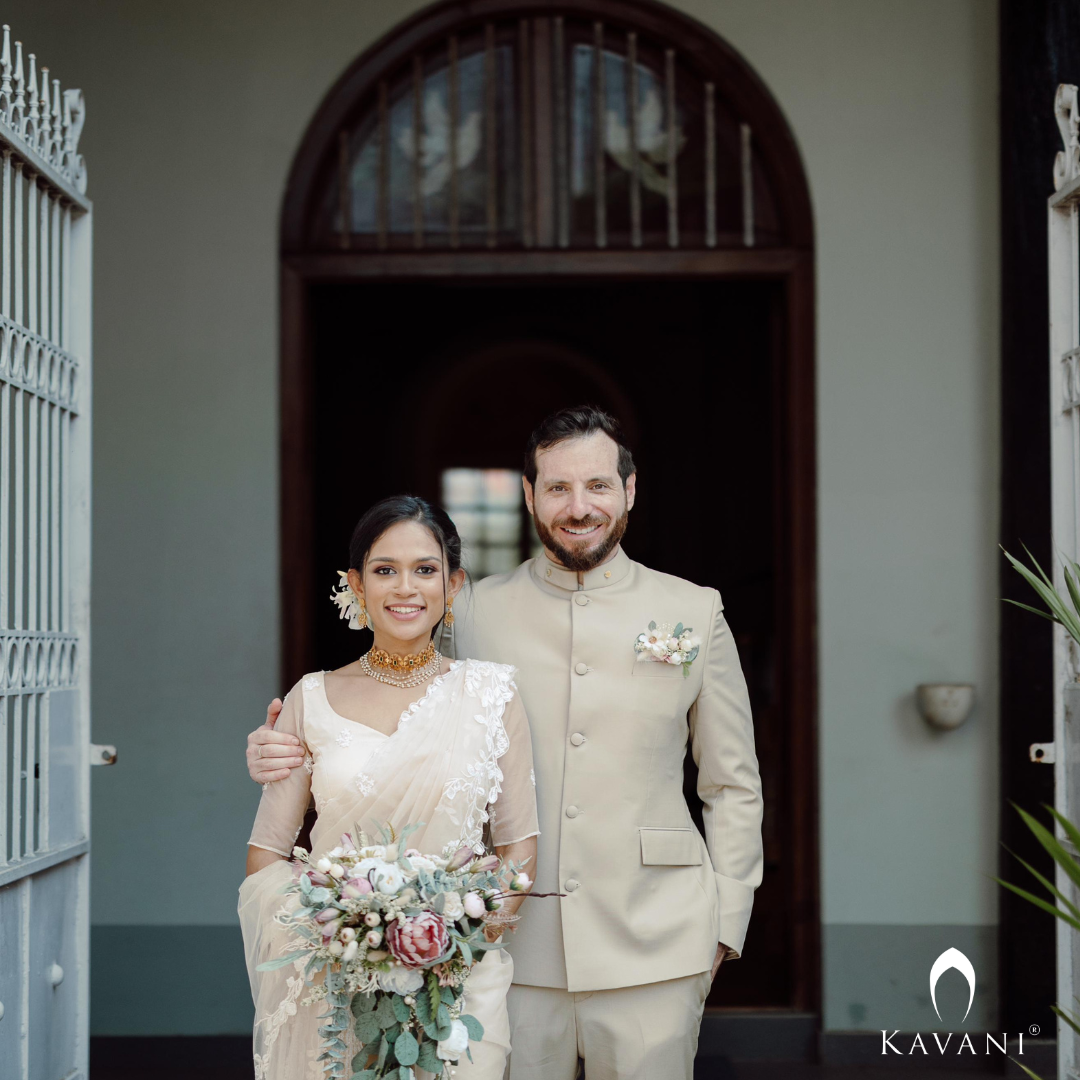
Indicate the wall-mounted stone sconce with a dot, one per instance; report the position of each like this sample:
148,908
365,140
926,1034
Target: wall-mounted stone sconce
945,705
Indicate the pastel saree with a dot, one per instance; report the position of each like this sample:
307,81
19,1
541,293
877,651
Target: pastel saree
459,762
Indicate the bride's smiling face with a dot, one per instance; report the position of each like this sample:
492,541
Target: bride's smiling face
404,586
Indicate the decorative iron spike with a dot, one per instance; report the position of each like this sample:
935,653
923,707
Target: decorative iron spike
57,151
45,127
63,137
20,82
5,66
46,100
34,110
18,106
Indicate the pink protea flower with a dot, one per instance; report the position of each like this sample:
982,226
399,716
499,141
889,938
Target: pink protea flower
419,940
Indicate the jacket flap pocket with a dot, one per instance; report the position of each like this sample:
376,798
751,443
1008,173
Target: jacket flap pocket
670,847
658,669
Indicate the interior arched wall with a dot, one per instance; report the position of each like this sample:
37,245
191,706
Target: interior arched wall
194,112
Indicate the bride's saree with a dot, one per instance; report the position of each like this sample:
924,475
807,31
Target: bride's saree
460,754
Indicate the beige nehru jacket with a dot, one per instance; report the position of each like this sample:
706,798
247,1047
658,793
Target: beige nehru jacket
646,898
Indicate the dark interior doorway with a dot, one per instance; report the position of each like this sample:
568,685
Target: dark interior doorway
549,201
455,375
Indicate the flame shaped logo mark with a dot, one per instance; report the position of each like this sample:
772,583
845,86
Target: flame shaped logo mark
952,958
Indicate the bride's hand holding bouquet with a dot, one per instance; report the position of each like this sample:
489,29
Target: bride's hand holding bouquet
394,934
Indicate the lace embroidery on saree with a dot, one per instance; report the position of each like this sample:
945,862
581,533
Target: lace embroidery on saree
493,685
293,985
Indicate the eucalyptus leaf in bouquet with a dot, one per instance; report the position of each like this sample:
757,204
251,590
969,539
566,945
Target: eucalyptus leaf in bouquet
388,936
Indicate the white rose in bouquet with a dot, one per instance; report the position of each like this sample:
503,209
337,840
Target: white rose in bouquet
401,980
388,879
367,864
452,1047
453,908
422,862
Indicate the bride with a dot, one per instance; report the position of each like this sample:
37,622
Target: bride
399,736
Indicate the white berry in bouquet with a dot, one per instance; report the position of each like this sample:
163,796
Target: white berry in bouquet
386,936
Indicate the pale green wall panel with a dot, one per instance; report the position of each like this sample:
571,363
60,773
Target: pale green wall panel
199,979
194,110
877,977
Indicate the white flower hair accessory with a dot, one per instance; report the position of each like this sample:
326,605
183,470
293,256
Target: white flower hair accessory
349,604
667,644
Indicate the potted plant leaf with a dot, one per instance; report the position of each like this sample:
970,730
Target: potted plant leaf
1066,614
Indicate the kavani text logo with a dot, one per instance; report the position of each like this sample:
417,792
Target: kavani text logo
951,960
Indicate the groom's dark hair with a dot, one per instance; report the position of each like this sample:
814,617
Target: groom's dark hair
575,423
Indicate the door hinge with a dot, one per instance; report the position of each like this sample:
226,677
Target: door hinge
1042,753
102,755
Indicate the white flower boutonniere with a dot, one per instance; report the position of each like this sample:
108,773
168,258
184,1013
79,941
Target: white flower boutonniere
668,644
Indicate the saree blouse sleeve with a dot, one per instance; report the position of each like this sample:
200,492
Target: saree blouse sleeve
513,815
284,802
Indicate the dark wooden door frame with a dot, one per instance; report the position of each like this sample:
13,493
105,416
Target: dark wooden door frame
791,266
794,270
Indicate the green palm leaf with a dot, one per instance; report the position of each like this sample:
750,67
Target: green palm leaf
1057,852
1069,1019
1034,1076
1047,884
1033,610
1071,830
1038,901
1038,579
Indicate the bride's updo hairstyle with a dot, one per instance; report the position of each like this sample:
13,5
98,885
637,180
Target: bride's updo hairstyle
388,512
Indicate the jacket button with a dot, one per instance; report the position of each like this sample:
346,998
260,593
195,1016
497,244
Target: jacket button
572,811
582,669
580,599
571,884
577,738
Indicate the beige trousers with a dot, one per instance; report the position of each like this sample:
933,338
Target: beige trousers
647,1032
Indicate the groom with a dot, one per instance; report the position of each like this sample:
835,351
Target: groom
616,972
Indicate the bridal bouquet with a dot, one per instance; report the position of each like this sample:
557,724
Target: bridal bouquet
395,934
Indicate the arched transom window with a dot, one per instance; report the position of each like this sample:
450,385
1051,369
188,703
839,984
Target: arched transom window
553,132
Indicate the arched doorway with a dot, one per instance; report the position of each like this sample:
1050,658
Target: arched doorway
507,207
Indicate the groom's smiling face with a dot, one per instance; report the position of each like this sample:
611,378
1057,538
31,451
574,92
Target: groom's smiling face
579,503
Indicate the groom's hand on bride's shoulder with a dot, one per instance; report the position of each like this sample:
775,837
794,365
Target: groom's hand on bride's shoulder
271,754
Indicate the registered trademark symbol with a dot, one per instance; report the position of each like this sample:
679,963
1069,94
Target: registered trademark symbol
1034,1029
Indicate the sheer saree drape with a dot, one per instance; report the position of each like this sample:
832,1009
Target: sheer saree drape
461,749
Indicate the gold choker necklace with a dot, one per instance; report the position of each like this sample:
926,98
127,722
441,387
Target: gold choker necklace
405,671
380,658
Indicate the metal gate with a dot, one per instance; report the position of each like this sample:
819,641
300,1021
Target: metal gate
45,231
1064,248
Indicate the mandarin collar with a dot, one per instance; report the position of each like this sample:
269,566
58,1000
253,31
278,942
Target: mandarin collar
614,570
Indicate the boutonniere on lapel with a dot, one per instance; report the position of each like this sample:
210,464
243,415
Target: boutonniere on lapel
667,644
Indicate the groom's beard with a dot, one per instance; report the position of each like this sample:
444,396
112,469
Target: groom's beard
577,557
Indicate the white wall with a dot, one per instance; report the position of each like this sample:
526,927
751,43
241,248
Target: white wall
194,112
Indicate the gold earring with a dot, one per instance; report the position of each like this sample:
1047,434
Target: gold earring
362,617
449,619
